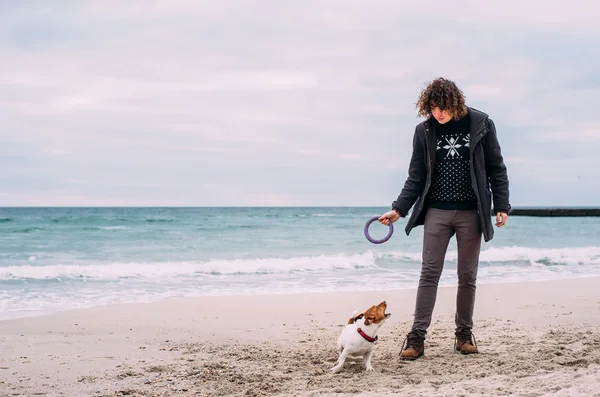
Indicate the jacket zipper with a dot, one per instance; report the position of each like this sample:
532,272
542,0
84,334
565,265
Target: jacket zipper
476,138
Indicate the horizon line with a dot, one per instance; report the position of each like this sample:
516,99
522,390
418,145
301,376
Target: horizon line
275,206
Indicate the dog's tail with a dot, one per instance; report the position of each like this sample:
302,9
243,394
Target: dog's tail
355,316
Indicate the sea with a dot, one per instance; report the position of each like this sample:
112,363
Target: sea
56,259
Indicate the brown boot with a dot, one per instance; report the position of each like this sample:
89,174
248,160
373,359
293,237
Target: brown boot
465,342
413,347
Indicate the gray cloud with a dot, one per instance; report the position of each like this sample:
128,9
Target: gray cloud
284,103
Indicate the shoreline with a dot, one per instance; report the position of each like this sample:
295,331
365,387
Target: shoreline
540,337
305,294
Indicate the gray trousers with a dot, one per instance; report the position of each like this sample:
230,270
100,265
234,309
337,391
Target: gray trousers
440,226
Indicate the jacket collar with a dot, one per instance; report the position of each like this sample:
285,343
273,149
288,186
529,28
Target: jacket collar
478,126
477,117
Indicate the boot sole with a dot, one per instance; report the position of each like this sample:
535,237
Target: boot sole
466,353
411,358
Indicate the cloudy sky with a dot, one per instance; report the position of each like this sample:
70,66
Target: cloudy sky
270,102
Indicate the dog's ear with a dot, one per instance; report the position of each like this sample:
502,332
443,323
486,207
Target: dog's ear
355,319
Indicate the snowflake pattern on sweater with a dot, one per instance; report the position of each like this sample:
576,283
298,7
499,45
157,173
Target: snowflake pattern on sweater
452,178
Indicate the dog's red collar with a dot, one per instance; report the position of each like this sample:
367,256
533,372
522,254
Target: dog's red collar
367,337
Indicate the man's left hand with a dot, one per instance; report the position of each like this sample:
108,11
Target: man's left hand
501,218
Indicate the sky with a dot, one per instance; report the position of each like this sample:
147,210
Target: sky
285,103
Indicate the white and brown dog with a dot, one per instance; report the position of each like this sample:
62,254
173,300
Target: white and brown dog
359,335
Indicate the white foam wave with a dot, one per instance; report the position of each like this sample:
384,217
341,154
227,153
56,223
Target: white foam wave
180,269
493,256
543,256
534,256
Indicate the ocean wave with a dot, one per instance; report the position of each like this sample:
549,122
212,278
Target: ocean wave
115,271
499,258
89,228
99,219
29,230
533,256
69,219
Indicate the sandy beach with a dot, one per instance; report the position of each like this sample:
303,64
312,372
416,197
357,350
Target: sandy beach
536,339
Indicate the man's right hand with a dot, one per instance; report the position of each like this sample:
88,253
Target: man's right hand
390,216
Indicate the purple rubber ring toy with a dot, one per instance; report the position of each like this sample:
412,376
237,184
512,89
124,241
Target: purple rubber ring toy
371,239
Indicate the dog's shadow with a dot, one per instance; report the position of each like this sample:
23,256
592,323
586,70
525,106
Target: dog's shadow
352,367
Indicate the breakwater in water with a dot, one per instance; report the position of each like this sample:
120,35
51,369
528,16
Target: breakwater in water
560,211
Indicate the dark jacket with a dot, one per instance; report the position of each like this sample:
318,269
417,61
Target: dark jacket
488,173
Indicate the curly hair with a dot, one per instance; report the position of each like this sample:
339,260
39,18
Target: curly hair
443,94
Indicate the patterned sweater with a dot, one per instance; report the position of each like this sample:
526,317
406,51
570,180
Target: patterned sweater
451,186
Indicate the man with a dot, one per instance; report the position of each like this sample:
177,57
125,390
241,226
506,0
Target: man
455,169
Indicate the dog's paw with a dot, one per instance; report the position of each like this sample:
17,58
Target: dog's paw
335,369
369,368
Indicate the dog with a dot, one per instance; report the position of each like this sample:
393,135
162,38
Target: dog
359,335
